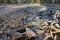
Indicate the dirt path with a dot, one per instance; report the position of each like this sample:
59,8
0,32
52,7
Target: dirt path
9,8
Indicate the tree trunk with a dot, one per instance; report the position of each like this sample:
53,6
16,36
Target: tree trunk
53,1
38,1
2,1
32,1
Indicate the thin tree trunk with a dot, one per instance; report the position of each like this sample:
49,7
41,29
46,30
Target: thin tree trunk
9,1
38,1
2,1
32,1
53,1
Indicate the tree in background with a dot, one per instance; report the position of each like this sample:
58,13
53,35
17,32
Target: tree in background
57,1
1,1
31,1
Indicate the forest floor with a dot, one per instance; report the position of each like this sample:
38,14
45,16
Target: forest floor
10,7
16,15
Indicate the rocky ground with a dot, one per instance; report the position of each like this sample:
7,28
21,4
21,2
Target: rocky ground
29,22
